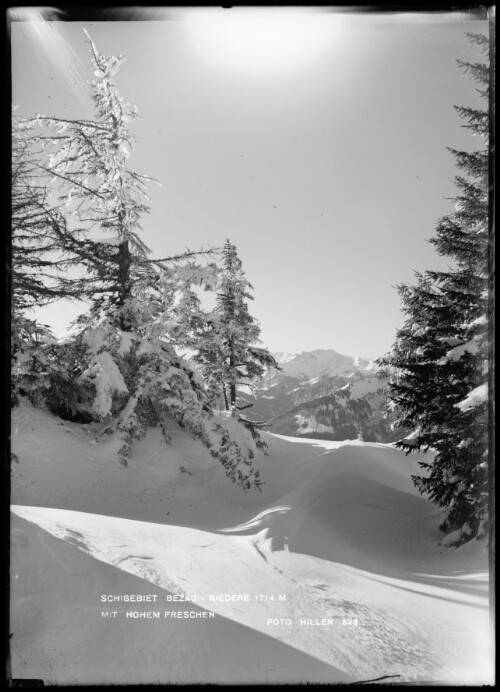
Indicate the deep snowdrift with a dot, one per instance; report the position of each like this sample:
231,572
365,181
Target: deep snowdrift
338,558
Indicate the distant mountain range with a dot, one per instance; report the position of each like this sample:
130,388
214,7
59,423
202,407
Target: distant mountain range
324,394
320,363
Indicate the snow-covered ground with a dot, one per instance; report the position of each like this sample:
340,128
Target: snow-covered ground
334,572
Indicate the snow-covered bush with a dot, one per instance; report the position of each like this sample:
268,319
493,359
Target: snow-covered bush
138,382
31,364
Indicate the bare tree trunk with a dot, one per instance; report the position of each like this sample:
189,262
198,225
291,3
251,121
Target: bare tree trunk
225,397
124,283
232,389
232,386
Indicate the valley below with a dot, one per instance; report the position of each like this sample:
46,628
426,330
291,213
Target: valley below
324,395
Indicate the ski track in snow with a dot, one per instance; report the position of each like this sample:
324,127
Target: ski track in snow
339,529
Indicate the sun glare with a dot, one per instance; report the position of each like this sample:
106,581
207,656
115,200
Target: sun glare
261,41
42,28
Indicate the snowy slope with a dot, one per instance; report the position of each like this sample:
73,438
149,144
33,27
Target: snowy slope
338,531
60,636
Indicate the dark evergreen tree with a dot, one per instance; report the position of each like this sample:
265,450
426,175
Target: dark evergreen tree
438,367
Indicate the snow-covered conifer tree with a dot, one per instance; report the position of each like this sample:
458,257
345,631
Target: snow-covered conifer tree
40,257
36,226
122,361
229,352
88,159
438,369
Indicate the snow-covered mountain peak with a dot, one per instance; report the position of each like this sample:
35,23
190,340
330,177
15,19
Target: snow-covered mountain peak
318,363
283,357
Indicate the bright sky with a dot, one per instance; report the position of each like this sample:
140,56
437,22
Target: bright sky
315,142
